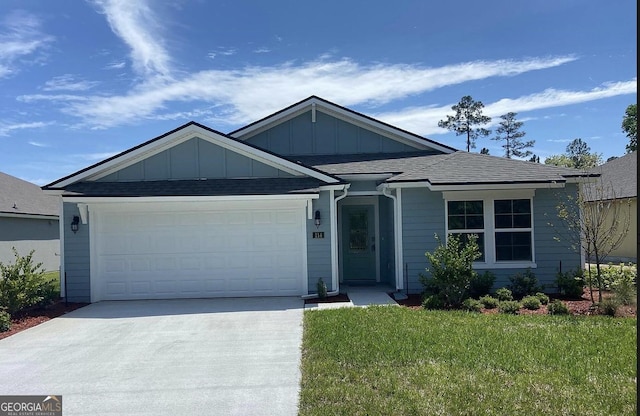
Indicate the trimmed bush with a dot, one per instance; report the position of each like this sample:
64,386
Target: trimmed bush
544,299
570,283
531,302
22,284
489,302
523,284
433,302
504,294
509,306
5,321
481,284
557,308
472,305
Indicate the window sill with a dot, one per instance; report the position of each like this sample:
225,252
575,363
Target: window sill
505,265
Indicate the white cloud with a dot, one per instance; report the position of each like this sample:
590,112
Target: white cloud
38,144
115,65
262,50
67,82
136,24
222,51
20,36
7,128
247,94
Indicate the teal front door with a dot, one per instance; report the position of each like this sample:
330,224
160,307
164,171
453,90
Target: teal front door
358,244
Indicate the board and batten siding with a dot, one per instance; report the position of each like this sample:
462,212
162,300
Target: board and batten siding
423,214
328,135
195,159
319,249
76,258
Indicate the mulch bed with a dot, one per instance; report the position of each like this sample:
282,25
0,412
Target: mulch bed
32,317
582,306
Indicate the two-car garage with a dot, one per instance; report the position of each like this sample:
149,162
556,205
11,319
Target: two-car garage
189,249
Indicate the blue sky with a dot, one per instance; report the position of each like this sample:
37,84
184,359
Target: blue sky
83,80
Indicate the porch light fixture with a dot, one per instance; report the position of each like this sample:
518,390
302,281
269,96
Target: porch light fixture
316,218
75,223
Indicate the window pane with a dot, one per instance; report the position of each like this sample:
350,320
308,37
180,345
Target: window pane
456,207
513,246
473,207
522,206
475,222
522,221
456,222
502,206
503,221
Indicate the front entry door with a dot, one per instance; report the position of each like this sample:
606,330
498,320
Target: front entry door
358,243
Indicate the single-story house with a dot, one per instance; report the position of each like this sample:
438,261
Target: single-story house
619,182
28,221
314,191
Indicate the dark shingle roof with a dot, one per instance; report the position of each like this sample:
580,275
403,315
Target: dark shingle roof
208,187
22,197
619,178
442,169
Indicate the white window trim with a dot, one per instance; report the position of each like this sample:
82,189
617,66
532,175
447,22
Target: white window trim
489,230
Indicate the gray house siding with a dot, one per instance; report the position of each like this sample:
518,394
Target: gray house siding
76,258
26,234
319,249
195,159
423,216
387,252
327,136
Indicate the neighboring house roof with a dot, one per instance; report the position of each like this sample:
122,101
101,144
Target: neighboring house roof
18,197
442,169
619,179
208,187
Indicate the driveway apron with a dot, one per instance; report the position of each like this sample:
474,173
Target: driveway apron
227,356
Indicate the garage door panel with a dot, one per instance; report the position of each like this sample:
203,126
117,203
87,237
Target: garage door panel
200,253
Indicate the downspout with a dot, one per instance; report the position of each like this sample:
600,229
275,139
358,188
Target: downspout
335,281
399,269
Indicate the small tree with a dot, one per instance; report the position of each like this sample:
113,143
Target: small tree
596,222
509,132
630,127
578,155
468,115
451,271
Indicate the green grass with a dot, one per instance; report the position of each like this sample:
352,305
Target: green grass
400,361
54,277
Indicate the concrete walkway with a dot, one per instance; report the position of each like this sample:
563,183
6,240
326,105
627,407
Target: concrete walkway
359,296
164,357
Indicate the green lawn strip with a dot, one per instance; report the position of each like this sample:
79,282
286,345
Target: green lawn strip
53,276
393,360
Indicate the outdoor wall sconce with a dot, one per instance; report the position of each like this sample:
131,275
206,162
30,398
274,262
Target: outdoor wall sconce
75,223
317,218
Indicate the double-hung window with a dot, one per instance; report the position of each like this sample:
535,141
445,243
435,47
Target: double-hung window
502,221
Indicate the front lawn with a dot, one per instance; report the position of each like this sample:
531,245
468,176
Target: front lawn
399,361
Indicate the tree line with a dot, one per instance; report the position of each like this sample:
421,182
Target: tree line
469,119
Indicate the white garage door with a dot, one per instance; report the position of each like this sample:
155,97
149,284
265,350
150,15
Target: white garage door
192,250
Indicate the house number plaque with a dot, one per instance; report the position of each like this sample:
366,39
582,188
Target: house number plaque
318,234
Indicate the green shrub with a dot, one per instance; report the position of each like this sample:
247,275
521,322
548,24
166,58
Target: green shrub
22,284
509,306
523,284
544,299
489,302
531,302
610,274
472,305
5,321
609,306
481,284
557,308
433,302
504,294
570,283
624,289
451,272
322,288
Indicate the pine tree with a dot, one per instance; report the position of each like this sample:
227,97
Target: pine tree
468,114
509,132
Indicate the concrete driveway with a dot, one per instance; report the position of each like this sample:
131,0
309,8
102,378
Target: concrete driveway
164,357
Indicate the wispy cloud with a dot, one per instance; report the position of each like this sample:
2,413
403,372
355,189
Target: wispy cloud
222,51
116,65
20,36
137,25
7,128
249,93
67,82
262,50
38,144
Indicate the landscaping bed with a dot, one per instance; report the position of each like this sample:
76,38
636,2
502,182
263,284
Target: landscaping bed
35,316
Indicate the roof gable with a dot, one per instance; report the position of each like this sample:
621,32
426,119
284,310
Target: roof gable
317,107
130,163
619,178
